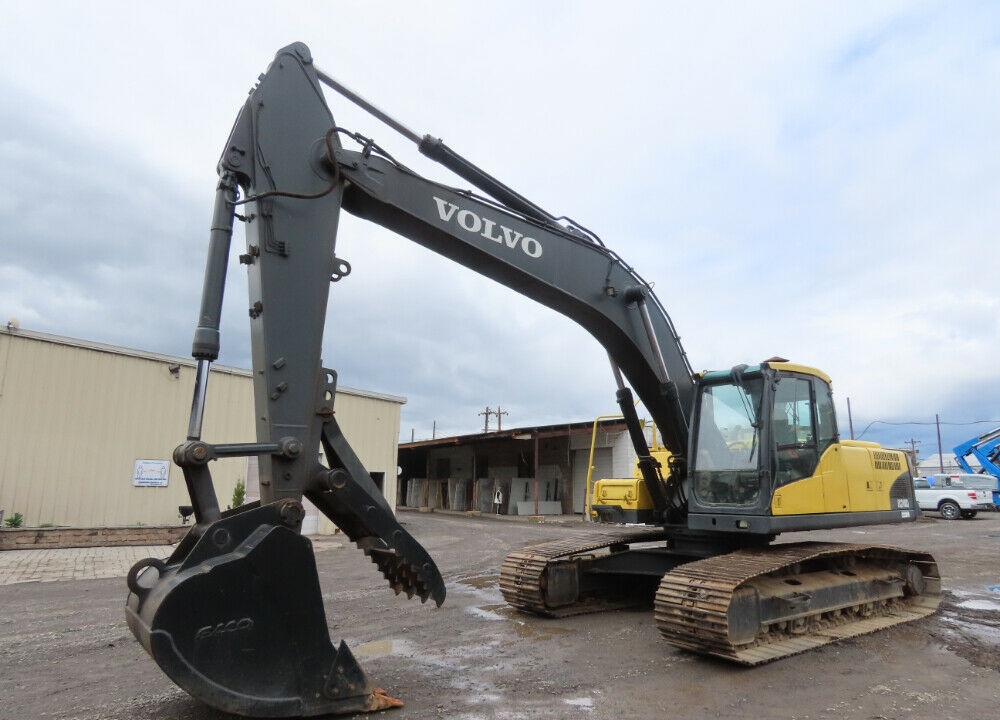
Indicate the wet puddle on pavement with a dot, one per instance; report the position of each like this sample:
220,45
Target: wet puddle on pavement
538,630
975,600
971,627
487,588
987,605
472,669
481,582
490,612
583,703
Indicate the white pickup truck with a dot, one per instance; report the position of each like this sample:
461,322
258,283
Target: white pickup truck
952,502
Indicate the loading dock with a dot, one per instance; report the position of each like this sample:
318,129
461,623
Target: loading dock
537,470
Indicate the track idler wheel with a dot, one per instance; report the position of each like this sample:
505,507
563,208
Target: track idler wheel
240,625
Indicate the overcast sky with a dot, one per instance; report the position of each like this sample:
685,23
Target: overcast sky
819,181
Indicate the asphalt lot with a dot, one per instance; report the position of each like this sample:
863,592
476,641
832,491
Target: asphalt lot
65,651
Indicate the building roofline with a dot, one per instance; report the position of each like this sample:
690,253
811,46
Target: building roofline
14,331
542,431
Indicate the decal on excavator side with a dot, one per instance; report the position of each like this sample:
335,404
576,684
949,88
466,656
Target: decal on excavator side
473,223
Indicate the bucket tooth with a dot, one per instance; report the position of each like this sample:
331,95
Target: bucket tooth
355,505
403,577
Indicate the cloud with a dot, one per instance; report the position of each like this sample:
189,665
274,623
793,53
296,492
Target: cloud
816,182
90,239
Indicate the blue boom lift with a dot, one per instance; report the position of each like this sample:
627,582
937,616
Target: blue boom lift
986,449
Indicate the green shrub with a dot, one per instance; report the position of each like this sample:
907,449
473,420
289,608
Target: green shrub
14,521
239,494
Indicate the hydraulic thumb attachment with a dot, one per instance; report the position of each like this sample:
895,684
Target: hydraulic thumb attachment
235,616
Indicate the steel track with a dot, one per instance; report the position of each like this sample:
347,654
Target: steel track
522,575
694,600
692,606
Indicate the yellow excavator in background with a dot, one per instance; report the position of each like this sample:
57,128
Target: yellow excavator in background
235,615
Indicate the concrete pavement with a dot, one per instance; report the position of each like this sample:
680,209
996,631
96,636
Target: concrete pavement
90,563
22,566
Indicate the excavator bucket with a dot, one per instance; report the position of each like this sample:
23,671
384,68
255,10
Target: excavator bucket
236,619
242,626
235,615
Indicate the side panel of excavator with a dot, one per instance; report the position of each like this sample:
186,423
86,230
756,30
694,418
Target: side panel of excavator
851,477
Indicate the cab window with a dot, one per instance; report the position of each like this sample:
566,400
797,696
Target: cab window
727,447
826,416
793,430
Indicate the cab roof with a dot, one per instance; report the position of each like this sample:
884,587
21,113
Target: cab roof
780,366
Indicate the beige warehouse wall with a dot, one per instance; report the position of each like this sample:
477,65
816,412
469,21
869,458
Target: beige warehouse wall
73,421
74,418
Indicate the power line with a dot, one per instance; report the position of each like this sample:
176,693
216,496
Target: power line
920,422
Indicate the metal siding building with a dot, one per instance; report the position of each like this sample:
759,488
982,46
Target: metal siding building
464,472
76,416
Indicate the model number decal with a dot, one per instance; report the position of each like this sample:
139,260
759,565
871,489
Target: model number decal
885,460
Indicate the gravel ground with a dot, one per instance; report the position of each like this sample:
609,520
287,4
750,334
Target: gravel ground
65,651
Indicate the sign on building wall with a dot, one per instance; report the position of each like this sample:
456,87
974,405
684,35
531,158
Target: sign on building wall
151,473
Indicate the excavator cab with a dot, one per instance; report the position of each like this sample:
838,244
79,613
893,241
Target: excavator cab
756,429
766,457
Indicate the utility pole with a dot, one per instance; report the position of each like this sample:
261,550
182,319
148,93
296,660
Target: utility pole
486,421
490,411
850,420
914,445
937,421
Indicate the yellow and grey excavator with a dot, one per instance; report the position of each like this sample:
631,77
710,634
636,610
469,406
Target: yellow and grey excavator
235,615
